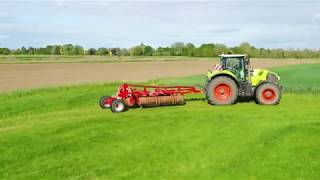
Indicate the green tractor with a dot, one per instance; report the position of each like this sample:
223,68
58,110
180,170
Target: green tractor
234,80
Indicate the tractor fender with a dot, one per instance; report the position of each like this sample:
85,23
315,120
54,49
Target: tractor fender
259,83
233,77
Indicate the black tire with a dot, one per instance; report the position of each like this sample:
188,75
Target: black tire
101,102
117,106
267,94
222,90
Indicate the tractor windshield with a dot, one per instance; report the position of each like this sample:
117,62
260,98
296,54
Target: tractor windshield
235,65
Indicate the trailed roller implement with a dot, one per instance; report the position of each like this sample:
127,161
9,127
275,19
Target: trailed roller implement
131,95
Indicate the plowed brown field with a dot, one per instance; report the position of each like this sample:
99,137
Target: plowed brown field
21,76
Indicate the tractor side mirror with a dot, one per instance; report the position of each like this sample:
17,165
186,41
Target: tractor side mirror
247,61
251,71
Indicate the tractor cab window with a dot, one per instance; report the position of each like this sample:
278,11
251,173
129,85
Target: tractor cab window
235,65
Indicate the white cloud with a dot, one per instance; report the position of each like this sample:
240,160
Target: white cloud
100,23
316,18
60,3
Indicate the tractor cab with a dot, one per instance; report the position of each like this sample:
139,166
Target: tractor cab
238,64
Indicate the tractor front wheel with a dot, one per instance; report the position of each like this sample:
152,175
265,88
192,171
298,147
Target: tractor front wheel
268,94
222,90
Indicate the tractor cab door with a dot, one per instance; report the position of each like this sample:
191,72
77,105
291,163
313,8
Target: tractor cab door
237,66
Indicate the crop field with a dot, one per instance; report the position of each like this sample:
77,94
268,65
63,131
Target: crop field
61,132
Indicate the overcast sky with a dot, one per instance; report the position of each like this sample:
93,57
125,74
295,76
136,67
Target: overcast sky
271,24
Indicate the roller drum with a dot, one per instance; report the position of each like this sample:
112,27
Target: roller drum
161,100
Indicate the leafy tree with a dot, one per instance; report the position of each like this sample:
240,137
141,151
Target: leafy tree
91,51
245,48
42,51
162,51
5,51
205,50
148,51
115,51
141,50
24,50
78,50
188,50
69,49
177,48
66,49
53,50
31,50
136,51
102,51
124,52
220,49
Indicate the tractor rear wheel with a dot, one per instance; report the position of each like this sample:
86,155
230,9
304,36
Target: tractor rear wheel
268,94
222,90
117,106
102,102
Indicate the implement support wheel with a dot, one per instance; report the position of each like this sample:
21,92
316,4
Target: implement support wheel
117,106
102,102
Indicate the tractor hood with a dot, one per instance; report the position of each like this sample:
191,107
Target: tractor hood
258,75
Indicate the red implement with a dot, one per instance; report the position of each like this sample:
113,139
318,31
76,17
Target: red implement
130,95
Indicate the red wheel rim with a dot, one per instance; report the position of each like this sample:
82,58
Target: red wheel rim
268,94
222,92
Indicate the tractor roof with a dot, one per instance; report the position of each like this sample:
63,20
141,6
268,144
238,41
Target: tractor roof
232,55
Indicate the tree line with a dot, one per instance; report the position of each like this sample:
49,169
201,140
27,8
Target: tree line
176,49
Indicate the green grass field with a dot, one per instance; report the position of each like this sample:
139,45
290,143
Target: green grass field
62,133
